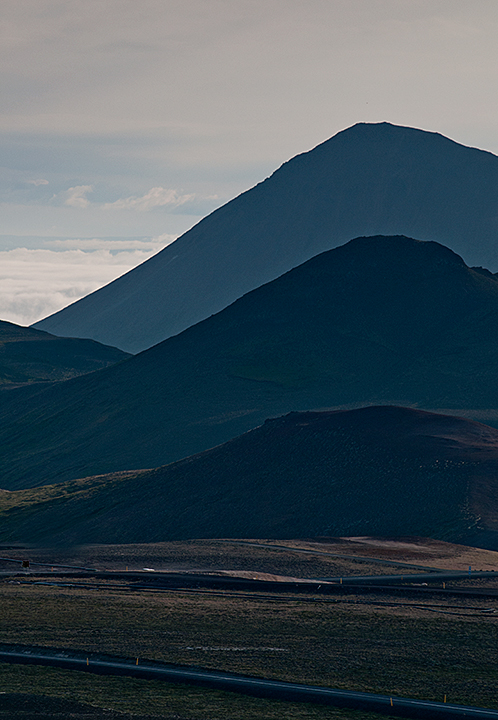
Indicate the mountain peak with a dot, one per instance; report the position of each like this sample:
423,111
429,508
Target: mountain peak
370,179
399,246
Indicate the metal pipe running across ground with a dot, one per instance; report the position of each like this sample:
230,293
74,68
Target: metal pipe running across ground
259,687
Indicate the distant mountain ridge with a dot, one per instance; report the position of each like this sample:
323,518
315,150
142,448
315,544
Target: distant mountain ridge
380,320
371,179
28,355
386,471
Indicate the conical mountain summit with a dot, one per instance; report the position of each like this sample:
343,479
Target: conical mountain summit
369,179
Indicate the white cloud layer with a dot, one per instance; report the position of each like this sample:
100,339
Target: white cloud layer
37,282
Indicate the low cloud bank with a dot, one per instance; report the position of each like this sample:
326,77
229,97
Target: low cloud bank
35,283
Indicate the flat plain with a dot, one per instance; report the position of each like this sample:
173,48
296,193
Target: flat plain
392,643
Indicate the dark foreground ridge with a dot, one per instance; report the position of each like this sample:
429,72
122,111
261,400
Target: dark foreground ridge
259,687
386,471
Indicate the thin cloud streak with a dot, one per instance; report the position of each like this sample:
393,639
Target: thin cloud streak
77,196
144,245
156,197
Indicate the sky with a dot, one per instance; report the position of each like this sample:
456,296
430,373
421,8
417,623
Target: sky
123,123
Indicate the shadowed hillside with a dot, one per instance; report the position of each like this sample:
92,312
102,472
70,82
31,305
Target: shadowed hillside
367,180
28,355
373,471
378,320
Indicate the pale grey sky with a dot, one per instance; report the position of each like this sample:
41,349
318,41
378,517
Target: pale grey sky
134,119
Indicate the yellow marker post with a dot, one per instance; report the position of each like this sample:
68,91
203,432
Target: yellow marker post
127,568
444,699
341,582
444,586
136,662
87,662
391,702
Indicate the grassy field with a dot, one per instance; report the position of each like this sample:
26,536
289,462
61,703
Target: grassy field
400,651
423,649
145,699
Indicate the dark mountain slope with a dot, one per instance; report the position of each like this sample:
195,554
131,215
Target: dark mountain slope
378,320
28,355
369,179
375,471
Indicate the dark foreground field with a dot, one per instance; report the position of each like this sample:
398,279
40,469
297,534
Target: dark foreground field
391,643
96,697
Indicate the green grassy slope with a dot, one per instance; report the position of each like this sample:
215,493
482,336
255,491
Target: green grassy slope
373,471
378,320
